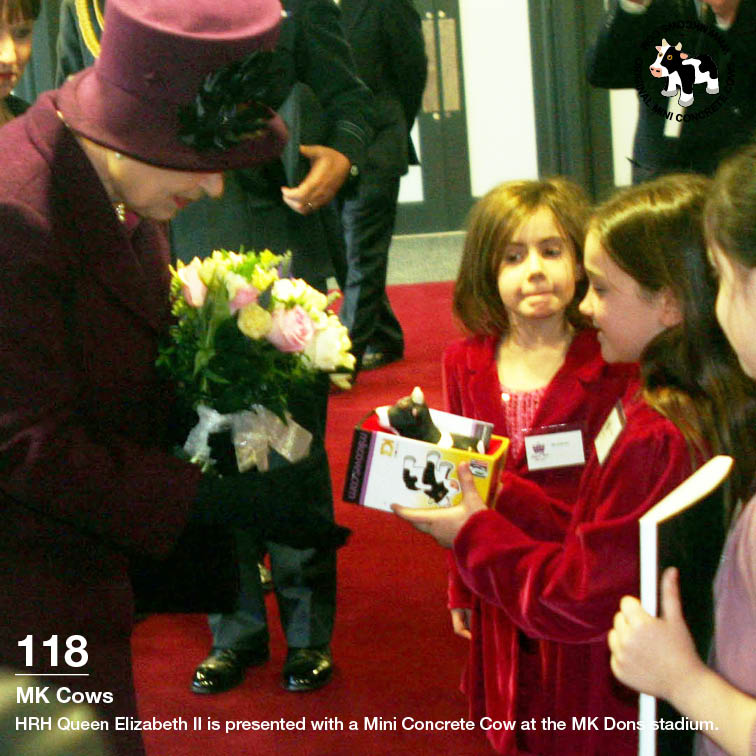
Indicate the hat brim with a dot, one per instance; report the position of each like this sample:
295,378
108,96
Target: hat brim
115,118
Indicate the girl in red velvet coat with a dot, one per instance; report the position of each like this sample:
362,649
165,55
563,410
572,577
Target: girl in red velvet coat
650,296
658,655
529,363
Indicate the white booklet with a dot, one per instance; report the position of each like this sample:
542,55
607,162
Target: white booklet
664,535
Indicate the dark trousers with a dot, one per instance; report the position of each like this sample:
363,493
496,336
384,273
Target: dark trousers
368,221
304,580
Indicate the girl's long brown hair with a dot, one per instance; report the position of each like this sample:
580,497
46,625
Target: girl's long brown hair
654,232
19,10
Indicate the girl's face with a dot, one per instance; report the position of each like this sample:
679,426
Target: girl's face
736,306
537,271
627,317
15,49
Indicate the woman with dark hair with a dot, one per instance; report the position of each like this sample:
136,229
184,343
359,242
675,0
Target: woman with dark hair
88,480
647,272
657,655
16,25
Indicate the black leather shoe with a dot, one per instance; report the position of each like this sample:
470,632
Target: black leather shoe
373,360
224,669
307,669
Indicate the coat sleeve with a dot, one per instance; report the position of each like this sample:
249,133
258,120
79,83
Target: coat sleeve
324,62
54,458
405,51
544,518
569,590
611,61
459,596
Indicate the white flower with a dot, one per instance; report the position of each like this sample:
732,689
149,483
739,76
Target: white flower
234,282
295,291
329,348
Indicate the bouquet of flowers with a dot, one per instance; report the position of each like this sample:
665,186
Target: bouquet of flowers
245,336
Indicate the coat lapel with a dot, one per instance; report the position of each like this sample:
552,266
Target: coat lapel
483,388
87,217
351,12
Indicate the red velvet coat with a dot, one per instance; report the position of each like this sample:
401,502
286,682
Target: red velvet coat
85,478
563,592
581,393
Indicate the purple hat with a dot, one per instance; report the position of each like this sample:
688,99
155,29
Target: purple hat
182,84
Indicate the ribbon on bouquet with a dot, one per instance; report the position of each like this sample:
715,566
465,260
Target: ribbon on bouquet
253,433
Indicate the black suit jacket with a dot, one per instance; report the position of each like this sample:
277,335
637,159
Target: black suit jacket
621,56
389,51
313,52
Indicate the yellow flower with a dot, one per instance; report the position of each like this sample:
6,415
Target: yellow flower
262,279
207,270
268,259
254,321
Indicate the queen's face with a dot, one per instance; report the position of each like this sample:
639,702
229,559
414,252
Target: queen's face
153,192
15,50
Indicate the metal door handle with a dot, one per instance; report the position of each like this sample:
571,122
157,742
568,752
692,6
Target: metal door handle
449,52
432,94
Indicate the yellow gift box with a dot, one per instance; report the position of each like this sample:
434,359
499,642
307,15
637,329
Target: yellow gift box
385,469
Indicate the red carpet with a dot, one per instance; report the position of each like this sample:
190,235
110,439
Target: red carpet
395,653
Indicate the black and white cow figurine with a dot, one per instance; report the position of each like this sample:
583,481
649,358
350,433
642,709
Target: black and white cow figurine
683,72
411,417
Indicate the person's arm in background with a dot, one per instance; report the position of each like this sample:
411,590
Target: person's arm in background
324,62
611,61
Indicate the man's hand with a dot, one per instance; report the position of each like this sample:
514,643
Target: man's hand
652,655
444,523
328,171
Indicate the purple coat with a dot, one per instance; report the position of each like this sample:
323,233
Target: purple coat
86,475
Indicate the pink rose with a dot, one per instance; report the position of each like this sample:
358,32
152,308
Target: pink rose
291,330
244,295
192,287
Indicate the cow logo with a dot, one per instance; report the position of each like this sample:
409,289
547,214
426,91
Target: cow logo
387,448
679,71
682,72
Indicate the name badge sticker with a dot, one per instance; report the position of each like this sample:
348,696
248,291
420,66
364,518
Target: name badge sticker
560,447
610,431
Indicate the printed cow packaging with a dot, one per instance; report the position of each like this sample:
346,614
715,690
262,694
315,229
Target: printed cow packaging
386,468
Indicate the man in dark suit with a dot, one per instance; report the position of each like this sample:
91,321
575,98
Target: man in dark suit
389,51
281,207
669,138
